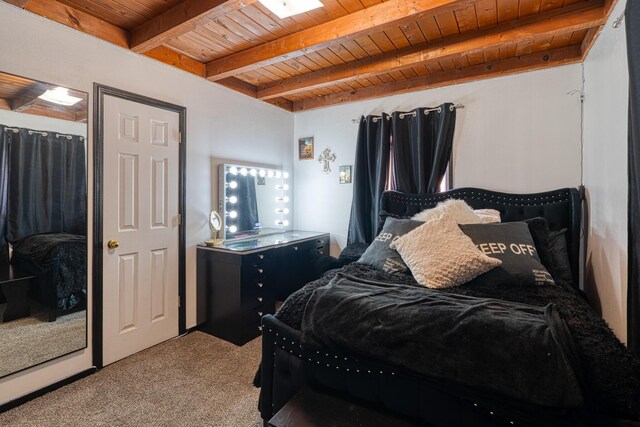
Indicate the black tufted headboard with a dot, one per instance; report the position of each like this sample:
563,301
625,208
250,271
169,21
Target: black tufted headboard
561,208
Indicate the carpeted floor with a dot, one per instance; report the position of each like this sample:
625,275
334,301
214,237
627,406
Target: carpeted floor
31,340
196,380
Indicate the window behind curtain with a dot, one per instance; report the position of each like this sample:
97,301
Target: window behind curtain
444,185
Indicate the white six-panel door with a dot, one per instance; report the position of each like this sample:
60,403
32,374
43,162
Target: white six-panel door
141,188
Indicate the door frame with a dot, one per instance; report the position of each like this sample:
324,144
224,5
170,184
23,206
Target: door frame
99,92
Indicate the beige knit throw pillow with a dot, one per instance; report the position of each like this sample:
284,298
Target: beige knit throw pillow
440,255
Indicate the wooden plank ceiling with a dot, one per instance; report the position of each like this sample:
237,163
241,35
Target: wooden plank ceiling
20,94
347,50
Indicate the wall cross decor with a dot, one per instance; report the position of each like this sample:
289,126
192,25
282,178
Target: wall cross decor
326,157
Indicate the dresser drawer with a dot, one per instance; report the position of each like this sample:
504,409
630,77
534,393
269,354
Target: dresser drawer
253,294
252,330
321,251
318,248
254,274
254,314
257,259
323,241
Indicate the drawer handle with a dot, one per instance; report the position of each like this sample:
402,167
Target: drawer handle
260,299
261,256
260,313
260,270
260,285
260,328
295,248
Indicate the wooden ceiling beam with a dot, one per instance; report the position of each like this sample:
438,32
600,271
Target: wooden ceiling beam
283,103
386,15
39,110
178,60
179,20
239,86
75,19
552,58
593,33
519,31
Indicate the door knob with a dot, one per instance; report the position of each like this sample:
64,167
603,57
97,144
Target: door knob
112,244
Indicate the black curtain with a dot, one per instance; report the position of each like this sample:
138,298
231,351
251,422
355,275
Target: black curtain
369,177
422,141
247,205
47,184
4,175
633,297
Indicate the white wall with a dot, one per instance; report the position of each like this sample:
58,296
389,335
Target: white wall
605,173
221,124
518,133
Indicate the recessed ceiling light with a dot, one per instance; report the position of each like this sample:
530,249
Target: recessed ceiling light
286,8
60,95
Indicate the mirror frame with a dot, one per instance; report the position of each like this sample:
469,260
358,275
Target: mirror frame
267,172
215,216
88,251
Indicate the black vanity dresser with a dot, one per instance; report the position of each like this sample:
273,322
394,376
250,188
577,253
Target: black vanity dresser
240,281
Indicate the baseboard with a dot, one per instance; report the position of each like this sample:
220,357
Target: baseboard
24,399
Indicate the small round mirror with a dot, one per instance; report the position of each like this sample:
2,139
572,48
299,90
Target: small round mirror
215,222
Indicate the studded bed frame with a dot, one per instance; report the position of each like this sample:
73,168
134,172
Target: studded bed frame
285,368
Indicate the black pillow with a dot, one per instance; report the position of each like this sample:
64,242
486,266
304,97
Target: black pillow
539,229
379,255
552,249
352,253
510,242
560,256
382,218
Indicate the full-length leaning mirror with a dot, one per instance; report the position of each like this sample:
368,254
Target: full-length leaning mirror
253,200
43,222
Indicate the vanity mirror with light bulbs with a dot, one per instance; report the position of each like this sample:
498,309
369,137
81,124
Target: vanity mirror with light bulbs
254,201
261,259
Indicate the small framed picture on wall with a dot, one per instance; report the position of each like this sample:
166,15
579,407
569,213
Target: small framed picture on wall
305,148
345,174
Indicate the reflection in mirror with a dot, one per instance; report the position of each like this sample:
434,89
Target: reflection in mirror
43,222
253,200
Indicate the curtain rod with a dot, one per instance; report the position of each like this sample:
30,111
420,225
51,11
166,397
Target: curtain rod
31,132
426,111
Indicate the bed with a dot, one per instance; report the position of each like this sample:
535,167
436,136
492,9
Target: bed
609,374
58,261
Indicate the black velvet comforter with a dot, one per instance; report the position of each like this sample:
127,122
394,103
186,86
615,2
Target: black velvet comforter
59,261
463,339
610,375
